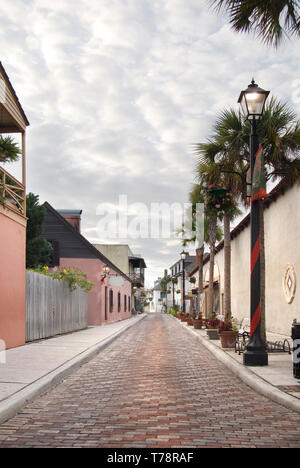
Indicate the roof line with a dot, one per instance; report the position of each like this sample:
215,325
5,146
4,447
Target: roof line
84,241
14,93
283,185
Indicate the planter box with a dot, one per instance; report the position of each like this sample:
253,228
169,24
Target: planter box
212,334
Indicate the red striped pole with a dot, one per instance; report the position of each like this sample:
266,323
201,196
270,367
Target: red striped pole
255,353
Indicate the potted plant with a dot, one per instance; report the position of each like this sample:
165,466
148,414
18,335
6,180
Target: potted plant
192,280
212,329
228,334
198,322
191,317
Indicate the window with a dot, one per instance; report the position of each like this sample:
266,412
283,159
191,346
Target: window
129,303
125,303
119,302
111,300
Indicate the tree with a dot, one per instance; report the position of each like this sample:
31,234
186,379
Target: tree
9,150
221,204
269,20
197,195
279,133
38,250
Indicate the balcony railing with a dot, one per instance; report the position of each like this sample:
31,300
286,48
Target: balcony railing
12,192
137,278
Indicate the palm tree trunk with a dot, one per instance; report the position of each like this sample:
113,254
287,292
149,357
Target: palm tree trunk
263,334
200,278
212,242
227,268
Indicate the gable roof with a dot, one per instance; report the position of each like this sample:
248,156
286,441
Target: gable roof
93,252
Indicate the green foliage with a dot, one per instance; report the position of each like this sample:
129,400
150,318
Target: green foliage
174,310
164,281
74,276
269,20
9,150
38,250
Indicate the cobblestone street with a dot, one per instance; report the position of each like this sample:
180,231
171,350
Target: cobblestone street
155,386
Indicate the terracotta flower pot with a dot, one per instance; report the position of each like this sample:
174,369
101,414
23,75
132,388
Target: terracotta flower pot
197,324
228,338
190,322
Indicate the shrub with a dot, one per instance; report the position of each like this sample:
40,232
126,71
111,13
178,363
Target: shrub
74,276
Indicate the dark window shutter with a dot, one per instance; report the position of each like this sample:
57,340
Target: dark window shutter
119,302
111,300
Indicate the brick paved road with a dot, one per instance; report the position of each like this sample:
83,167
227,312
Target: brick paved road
155,386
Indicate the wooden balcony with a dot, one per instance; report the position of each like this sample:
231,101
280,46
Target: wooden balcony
137,278
12,193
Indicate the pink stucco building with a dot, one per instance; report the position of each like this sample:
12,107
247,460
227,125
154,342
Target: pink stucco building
110,299
12,224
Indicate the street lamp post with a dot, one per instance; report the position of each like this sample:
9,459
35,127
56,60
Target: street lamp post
173,290
183,256
252,101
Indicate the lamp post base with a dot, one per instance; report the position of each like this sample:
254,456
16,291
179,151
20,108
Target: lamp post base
255,358
255,354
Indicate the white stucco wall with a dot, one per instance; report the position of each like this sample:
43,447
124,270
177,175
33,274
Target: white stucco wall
282,247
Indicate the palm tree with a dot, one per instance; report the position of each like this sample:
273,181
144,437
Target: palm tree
197,196
208,174
210,230
9,149
227,211
279,133
270,20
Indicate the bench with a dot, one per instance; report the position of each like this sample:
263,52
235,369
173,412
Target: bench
243,334
244,329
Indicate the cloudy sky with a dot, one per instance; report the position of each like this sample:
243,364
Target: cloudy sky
118,91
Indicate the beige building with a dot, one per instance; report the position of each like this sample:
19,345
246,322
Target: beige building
130,264
118,254
282,251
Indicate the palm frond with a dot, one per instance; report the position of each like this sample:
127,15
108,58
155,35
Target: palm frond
269,20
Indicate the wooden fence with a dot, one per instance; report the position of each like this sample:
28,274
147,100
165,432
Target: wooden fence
51,308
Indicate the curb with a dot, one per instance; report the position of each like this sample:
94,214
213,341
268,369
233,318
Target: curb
13,404
247,376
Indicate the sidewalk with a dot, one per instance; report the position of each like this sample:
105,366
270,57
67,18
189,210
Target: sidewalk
34,368
274,381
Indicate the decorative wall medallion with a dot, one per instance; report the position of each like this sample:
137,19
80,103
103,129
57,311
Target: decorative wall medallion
289,283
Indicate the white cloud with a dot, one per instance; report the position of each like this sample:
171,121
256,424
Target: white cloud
117,92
